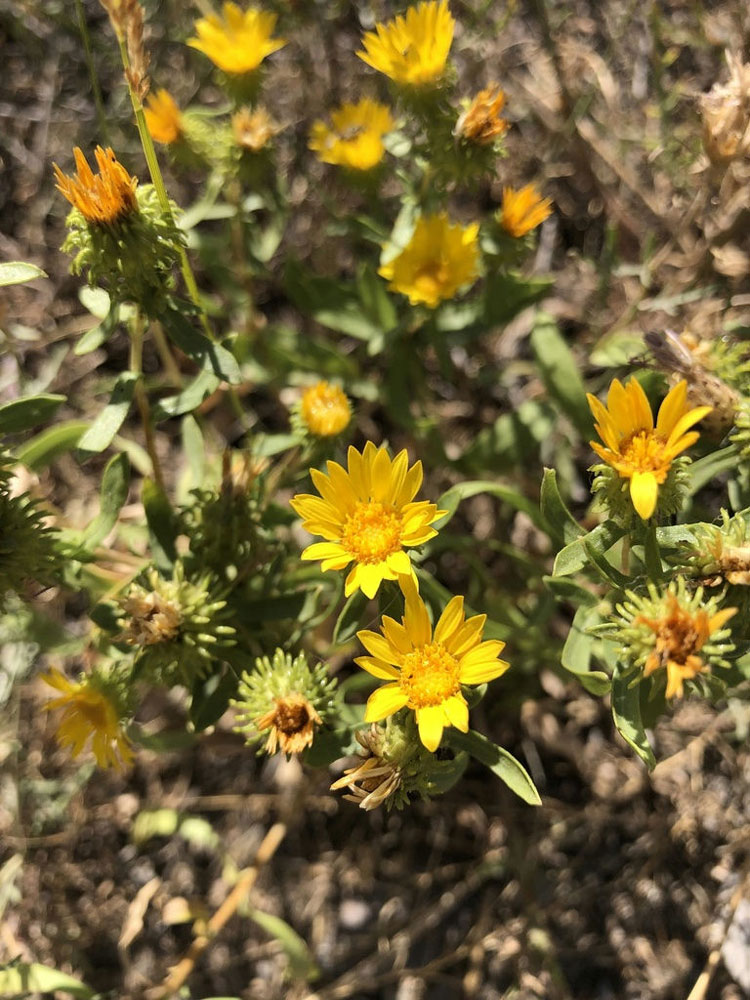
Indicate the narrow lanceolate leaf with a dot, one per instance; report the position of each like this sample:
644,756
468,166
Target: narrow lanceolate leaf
15,272
102,432
210,355
554,510
578,648
22,979
22,414
499,761
162,524
450,500
47,446
301,964
576,555
560,373
626,712
113,494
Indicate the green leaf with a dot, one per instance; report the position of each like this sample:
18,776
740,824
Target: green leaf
565,589
626,712
162,523
211,356
499,761
348,621
376,302
195,449
560,372
575,556
113,494
22,414
15,272
554,510
330,745
300,606
576,653
452,497
331,303
301,964
102,431
711,466
198,831
189,399
20,979
45,447
210,699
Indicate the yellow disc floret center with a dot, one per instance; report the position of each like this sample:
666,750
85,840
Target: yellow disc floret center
95,709
429,676
645,451
372,531
431,279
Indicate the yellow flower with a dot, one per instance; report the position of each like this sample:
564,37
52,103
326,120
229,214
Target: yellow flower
253,129
102,199
636,449
325,410
412,48
88,714
438,259
239,41
355,137
481,122
163,117
368,515
523,210
426,669
680,635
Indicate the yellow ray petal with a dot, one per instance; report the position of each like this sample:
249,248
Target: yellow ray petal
644,492
384,702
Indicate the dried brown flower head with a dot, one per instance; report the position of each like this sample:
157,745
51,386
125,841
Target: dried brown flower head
291,724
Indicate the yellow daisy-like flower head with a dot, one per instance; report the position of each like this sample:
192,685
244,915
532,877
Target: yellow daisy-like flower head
426,669
481,122
367,515
680,635
354,139
412,48
88,713
635,448
439,259
104,198
325,410
239,41
163,117
523,210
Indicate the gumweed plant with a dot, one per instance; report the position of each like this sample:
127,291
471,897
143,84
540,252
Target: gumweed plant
293,572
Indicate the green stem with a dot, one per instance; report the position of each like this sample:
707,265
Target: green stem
98,99
141,397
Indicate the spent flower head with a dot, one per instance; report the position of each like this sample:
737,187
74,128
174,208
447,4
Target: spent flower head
672,631
105,198
238,41
720,553
395,764
178,625
726,115
163,117
284,699
413,48
637,450
424,668
354,137
253,129
90,711
368,516
523,210
439,259
481,123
